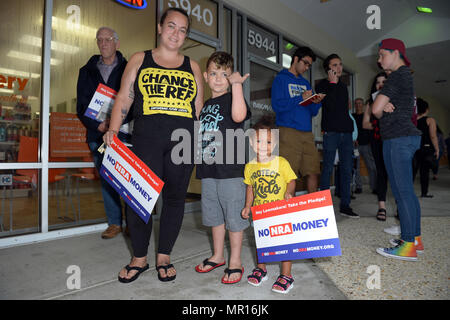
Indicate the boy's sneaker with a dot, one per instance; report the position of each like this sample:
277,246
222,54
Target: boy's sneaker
394,230
348,212
405,251
417,243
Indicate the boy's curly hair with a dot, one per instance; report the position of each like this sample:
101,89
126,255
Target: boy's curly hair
221,59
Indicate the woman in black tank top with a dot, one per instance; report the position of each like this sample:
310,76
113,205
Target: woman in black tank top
166,91
429,148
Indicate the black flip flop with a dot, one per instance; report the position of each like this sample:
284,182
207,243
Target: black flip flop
165,269
213,266
381,214
139,271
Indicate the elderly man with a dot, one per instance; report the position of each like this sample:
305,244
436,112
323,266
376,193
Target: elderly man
106,68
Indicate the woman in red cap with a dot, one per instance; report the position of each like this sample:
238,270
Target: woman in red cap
394,106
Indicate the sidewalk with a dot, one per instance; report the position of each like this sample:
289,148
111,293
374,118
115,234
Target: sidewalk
38,271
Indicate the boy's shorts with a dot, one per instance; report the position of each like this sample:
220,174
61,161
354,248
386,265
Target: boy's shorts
299,149
222,203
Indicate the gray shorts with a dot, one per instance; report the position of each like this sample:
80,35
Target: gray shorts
222,203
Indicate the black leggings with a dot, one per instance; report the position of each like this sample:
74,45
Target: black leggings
382,178
423,162
152,144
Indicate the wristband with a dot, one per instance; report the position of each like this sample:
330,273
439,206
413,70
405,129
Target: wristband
114,131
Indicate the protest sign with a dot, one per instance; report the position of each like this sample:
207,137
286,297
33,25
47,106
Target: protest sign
101,105
131,178
299,228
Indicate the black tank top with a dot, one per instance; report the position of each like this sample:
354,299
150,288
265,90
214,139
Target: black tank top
423,126
164,91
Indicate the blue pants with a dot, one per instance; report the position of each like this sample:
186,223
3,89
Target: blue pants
341,141
111,198
398,155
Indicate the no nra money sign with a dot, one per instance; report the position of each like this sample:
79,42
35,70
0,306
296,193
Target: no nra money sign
131,178
299,228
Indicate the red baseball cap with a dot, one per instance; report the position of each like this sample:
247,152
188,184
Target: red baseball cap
395,44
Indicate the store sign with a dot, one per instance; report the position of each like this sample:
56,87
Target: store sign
67,136
262,43
135,4
202,12
9,81
6,180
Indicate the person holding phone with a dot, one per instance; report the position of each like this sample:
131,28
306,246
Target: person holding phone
337,127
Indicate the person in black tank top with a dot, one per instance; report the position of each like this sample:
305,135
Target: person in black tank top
429,148
166,91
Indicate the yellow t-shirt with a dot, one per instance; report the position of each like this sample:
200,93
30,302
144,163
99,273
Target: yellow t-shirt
269,180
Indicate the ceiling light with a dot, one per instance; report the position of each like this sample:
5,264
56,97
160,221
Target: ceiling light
424,10
6,90
79,29
57,46
30,57
23,74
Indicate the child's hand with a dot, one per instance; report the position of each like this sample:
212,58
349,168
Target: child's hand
287,196
245,213
236,77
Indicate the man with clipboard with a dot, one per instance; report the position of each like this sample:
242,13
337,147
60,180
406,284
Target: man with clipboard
295,106
107,69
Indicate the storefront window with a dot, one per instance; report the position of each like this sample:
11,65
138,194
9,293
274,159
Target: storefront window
20,88
227,30
260,91
75,195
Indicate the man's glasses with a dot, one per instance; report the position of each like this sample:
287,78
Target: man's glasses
306,62
107,40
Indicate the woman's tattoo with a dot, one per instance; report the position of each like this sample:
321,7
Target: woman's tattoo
131,93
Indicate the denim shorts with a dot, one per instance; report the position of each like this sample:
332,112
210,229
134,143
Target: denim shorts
222,203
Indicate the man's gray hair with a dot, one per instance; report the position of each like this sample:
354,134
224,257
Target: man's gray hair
115,35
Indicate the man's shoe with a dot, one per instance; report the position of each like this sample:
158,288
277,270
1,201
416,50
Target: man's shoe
348,212
112,231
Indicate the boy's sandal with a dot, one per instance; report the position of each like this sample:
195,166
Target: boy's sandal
167,278
206,262
139,271
381,214
231,271
284,282
259,275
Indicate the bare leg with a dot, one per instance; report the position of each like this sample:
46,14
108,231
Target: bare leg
235,257
218,233
312,181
